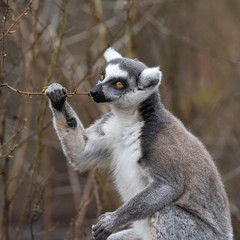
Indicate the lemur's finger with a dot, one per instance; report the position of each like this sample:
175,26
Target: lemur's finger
64,90
97,230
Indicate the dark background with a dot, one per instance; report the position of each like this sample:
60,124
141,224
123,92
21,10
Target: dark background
196,44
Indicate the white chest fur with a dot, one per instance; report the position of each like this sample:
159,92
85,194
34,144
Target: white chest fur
124,140
123,137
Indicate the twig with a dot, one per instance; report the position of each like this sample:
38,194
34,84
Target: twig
40,93
186,40
232,174
102,28
17,19
3,55
4,166
131,21
14,135
9,154
88,193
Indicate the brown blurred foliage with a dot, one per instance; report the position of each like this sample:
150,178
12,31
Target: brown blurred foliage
196,43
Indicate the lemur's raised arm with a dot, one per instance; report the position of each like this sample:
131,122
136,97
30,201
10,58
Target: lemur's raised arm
167,180
84,148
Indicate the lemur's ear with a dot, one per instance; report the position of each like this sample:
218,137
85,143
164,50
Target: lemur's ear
111,54
150,77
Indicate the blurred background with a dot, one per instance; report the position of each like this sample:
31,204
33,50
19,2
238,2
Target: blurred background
196,43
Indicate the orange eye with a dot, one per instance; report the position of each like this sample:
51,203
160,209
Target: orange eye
119,85
102,77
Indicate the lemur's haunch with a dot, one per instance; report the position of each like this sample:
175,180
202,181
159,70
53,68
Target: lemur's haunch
168,182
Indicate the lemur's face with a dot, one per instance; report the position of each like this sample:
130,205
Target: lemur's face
125,82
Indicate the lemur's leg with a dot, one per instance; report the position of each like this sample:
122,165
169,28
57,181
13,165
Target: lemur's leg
124,235
152,199
181,224
83,148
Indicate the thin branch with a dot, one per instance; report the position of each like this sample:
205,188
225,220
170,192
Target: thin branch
3,55
14,135
9,154
103,27
232,174
186,40
87,196
40,93
17,19
4,165
55,59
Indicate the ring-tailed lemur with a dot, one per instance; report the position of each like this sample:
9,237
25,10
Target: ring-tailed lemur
169,184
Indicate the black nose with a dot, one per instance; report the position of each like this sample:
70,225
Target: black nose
98,95
94,91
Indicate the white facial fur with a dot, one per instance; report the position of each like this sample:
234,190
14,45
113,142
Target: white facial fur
132,99
149,80
142,91
114,71
111,54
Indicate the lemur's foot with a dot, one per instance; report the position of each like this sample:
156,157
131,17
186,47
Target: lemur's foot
105,226
56,94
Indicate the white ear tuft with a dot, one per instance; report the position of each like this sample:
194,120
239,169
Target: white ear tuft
111,54
150,77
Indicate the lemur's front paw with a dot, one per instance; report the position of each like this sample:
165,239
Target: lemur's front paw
104,227
56,93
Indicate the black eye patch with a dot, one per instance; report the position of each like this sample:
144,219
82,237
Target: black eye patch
102,75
